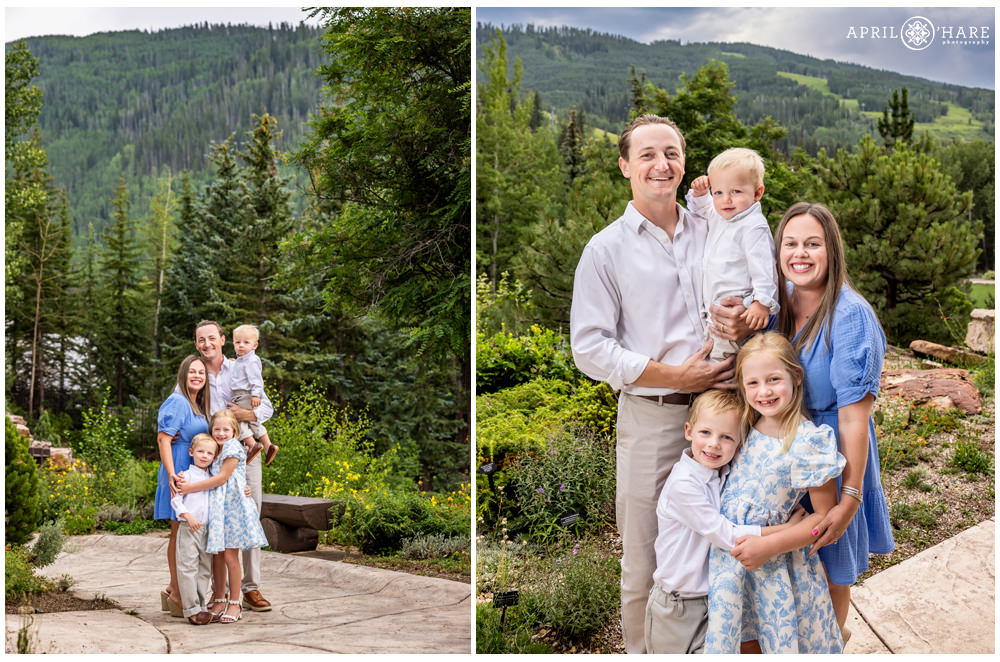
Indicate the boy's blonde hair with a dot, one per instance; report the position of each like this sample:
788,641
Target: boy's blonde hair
720,402
229,416
776,345
247,328
743,158
202,437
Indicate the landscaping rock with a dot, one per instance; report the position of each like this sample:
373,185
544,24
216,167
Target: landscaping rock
981,334
943,388
949,354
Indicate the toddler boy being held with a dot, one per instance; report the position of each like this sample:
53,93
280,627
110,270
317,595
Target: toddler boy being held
739,255
247,389
689,523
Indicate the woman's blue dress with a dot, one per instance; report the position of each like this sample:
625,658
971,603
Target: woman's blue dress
175,416
840,369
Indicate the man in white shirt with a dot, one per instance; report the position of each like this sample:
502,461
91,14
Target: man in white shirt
636,323
209,341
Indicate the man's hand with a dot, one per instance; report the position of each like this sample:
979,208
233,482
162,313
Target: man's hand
756,316
727,322
697,374
700,186
254,401
241,414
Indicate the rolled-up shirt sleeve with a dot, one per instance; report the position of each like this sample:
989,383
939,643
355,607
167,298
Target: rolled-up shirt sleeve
594,317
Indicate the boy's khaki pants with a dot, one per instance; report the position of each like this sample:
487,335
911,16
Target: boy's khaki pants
675,624
194,568
650,441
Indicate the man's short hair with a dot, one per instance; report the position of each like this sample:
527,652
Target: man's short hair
740,157
625,140
247,328
206,323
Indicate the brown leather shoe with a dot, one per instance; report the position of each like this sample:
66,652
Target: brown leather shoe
254,450
201,618
255,601
269,455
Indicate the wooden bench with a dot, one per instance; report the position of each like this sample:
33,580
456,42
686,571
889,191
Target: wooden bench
292,524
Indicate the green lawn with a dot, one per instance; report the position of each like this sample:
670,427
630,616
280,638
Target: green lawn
982,295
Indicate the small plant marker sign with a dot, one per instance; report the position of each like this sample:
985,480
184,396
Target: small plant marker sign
504,600
569,519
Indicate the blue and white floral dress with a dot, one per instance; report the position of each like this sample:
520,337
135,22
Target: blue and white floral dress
233,521
785,604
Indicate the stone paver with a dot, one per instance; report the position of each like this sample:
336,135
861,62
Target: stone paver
939,601
320,606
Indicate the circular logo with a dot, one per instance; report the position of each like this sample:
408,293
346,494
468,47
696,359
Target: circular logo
917,33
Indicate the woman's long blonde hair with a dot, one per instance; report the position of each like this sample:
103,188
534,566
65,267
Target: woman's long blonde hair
201,401
777,346
836,277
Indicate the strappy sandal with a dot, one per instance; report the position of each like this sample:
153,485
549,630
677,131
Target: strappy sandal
217,616
164,597
226,618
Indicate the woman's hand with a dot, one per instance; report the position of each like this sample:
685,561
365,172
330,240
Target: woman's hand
751,551
727,322
835,523
172,483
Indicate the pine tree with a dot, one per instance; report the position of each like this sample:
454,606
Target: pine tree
571,147
123,333
908,239
22,512
896,124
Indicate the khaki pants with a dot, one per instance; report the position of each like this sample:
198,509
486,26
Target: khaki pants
194,568
650,441
251,557
674,624
241,398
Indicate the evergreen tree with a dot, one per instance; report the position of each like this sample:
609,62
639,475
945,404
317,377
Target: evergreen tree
161,241
640,99
186,280
896,123
907,235
518,172
22,512
571,147
537,116
123,333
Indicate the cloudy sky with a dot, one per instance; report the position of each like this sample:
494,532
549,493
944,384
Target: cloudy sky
819,32
21,22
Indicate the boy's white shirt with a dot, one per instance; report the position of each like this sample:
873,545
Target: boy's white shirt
195,503
689,523
248,375
739,257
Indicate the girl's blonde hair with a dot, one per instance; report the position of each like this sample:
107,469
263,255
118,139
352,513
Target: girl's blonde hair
203,437
199,402
776,345
230,417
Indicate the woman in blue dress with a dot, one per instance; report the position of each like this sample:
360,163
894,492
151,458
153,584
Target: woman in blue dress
182,415
841,346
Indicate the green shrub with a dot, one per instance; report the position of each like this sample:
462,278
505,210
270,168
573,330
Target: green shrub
970,458
927,421
53,427
900,449
915,480
515,636
65,491
81,521
379,521
103,445
134,483
522,418
504,360
924,515
135,527
49,544
22,510
579,592
324,451
19,575
433,546
574,473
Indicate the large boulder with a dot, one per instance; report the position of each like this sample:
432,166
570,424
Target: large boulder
981,335
942,388
947,354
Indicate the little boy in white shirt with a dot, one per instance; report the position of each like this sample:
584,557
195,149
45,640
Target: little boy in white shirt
689,523
247,385
739,257
194,563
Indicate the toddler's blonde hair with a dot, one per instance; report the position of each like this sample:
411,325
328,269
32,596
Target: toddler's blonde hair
202,437
247,328
720,402
776,345
740,157
230,417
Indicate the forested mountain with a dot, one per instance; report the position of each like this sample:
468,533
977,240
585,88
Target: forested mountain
821,103
135,103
